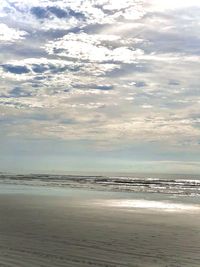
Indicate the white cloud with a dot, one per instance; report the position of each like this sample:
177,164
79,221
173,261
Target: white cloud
173,4
8,34
91,47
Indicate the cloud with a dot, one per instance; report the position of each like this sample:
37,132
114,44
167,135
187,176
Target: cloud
49,11
39,12
140,84
173,5
85,47
15,69
39,66
106,87
9,35
174,82
18,92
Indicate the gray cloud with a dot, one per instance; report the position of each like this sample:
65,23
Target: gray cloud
18,92
47,12
15,69
94,86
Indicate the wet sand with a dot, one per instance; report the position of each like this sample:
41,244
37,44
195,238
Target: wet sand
80,228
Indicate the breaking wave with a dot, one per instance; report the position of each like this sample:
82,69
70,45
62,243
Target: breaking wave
116,183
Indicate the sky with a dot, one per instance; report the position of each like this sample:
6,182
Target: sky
100,86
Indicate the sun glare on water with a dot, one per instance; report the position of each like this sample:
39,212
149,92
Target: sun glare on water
152,205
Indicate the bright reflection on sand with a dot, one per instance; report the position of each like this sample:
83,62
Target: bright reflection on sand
153,205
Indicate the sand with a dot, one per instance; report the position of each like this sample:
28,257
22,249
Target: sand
48,227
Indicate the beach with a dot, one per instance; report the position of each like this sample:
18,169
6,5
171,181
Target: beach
42,226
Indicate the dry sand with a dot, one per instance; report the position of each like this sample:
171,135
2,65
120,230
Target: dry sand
78,228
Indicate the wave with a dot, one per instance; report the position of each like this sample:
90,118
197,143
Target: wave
119,183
